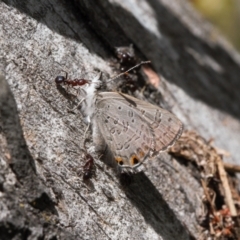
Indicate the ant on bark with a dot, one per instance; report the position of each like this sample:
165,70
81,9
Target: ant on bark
75,82
89,168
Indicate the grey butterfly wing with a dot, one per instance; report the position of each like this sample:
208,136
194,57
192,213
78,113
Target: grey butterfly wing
166,126
132,128
117,121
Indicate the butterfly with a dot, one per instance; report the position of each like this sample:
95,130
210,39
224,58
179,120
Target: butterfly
131,130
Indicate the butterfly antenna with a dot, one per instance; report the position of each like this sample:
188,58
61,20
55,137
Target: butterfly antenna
121,74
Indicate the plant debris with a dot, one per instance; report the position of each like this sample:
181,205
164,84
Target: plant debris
221,201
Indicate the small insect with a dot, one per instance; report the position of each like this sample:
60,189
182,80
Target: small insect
89,168
127,129
73,82
126,57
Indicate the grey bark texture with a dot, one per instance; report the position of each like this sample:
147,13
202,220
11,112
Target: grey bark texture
42,194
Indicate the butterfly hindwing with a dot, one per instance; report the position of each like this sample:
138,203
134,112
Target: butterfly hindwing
133,129
128,136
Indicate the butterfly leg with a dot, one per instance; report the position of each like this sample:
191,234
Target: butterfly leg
73,109
88,126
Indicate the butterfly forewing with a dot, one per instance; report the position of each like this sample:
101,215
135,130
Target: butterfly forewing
133,128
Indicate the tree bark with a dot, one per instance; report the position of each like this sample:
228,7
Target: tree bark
42,193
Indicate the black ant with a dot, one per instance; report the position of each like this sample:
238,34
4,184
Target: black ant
75,82
126,57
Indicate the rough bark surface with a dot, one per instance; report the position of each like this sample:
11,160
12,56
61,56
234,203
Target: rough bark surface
42,194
